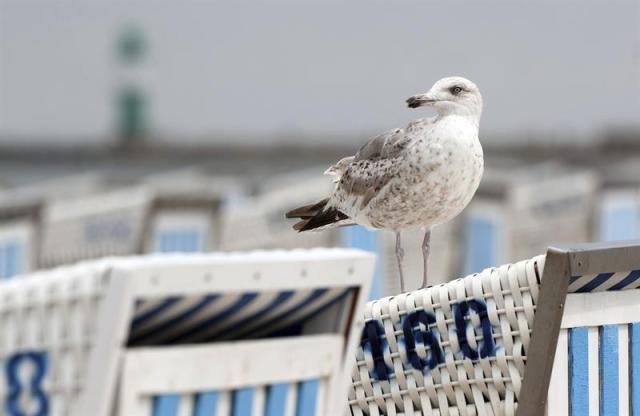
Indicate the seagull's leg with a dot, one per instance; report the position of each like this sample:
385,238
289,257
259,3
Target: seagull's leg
426,248
399,257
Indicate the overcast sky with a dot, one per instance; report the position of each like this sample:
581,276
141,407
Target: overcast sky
259,70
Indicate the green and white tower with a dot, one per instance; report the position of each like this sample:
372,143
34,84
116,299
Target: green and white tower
132,94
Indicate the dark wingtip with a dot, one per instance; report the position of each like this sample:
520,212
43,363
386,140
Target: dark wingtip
306,211
300,225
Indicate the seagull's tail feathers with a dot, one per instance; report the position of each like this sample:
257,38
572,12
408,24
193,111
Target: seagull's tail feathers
318,217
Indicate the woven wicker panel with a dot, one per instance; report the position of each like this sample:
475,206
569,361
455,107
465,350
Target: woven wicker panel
425,352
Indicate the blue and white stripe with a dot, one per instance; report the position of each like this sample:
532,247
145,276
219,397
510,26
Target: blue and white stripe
298,399
602,282
604,370
192,319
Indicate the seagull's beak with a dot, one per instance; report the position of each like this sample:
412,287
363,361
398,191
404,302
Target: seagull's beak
420,100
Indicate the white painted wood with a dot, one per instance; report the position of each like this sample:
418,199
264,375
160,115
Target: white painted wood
623,370
224,403
171,370
296,270
558,399
259,401
112,322
322,401
601,308
338,385
187,405
292,400
594,371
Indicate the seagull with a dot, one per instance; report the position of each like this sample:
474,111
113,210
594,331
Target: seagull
419,176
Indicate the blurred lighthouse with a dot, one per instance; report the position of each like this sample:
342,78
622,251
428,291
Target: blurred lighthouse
132,89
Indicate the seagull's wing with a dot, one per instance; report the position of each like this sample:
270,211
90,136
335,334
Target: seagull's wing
374,165
371,169
387,144
359,179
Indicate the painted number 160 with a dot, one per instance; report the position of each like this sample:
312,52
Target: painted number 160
418,328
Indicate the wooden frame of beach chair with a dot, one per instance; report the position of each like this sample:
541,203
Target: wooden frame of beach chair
426,353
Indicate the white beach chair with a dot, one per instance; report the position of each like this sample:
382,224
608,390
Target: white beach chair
485,344
259,333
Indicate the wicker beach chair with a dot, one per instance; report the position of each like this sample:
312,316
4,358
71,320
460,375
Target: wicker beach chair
485,344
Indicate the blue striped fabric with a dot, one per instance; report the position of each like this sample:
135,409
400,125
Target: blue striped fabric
166,405
307,398
605,282
212,320
579,371
290,329
276,400
609,388
573,279
627,281
273,305
274,321
165,325
634,371
140,319
179,320
243,402
206,404
595,282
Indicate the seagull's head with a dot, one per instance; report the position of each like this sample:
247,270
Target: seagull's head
451,95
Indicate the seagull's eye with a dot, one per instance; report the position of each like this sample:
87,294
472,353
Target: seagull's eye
456,90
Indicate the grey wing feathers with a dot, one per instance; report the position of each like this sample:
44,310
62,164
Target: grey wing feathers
372,167
387,144
392,143
365,178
